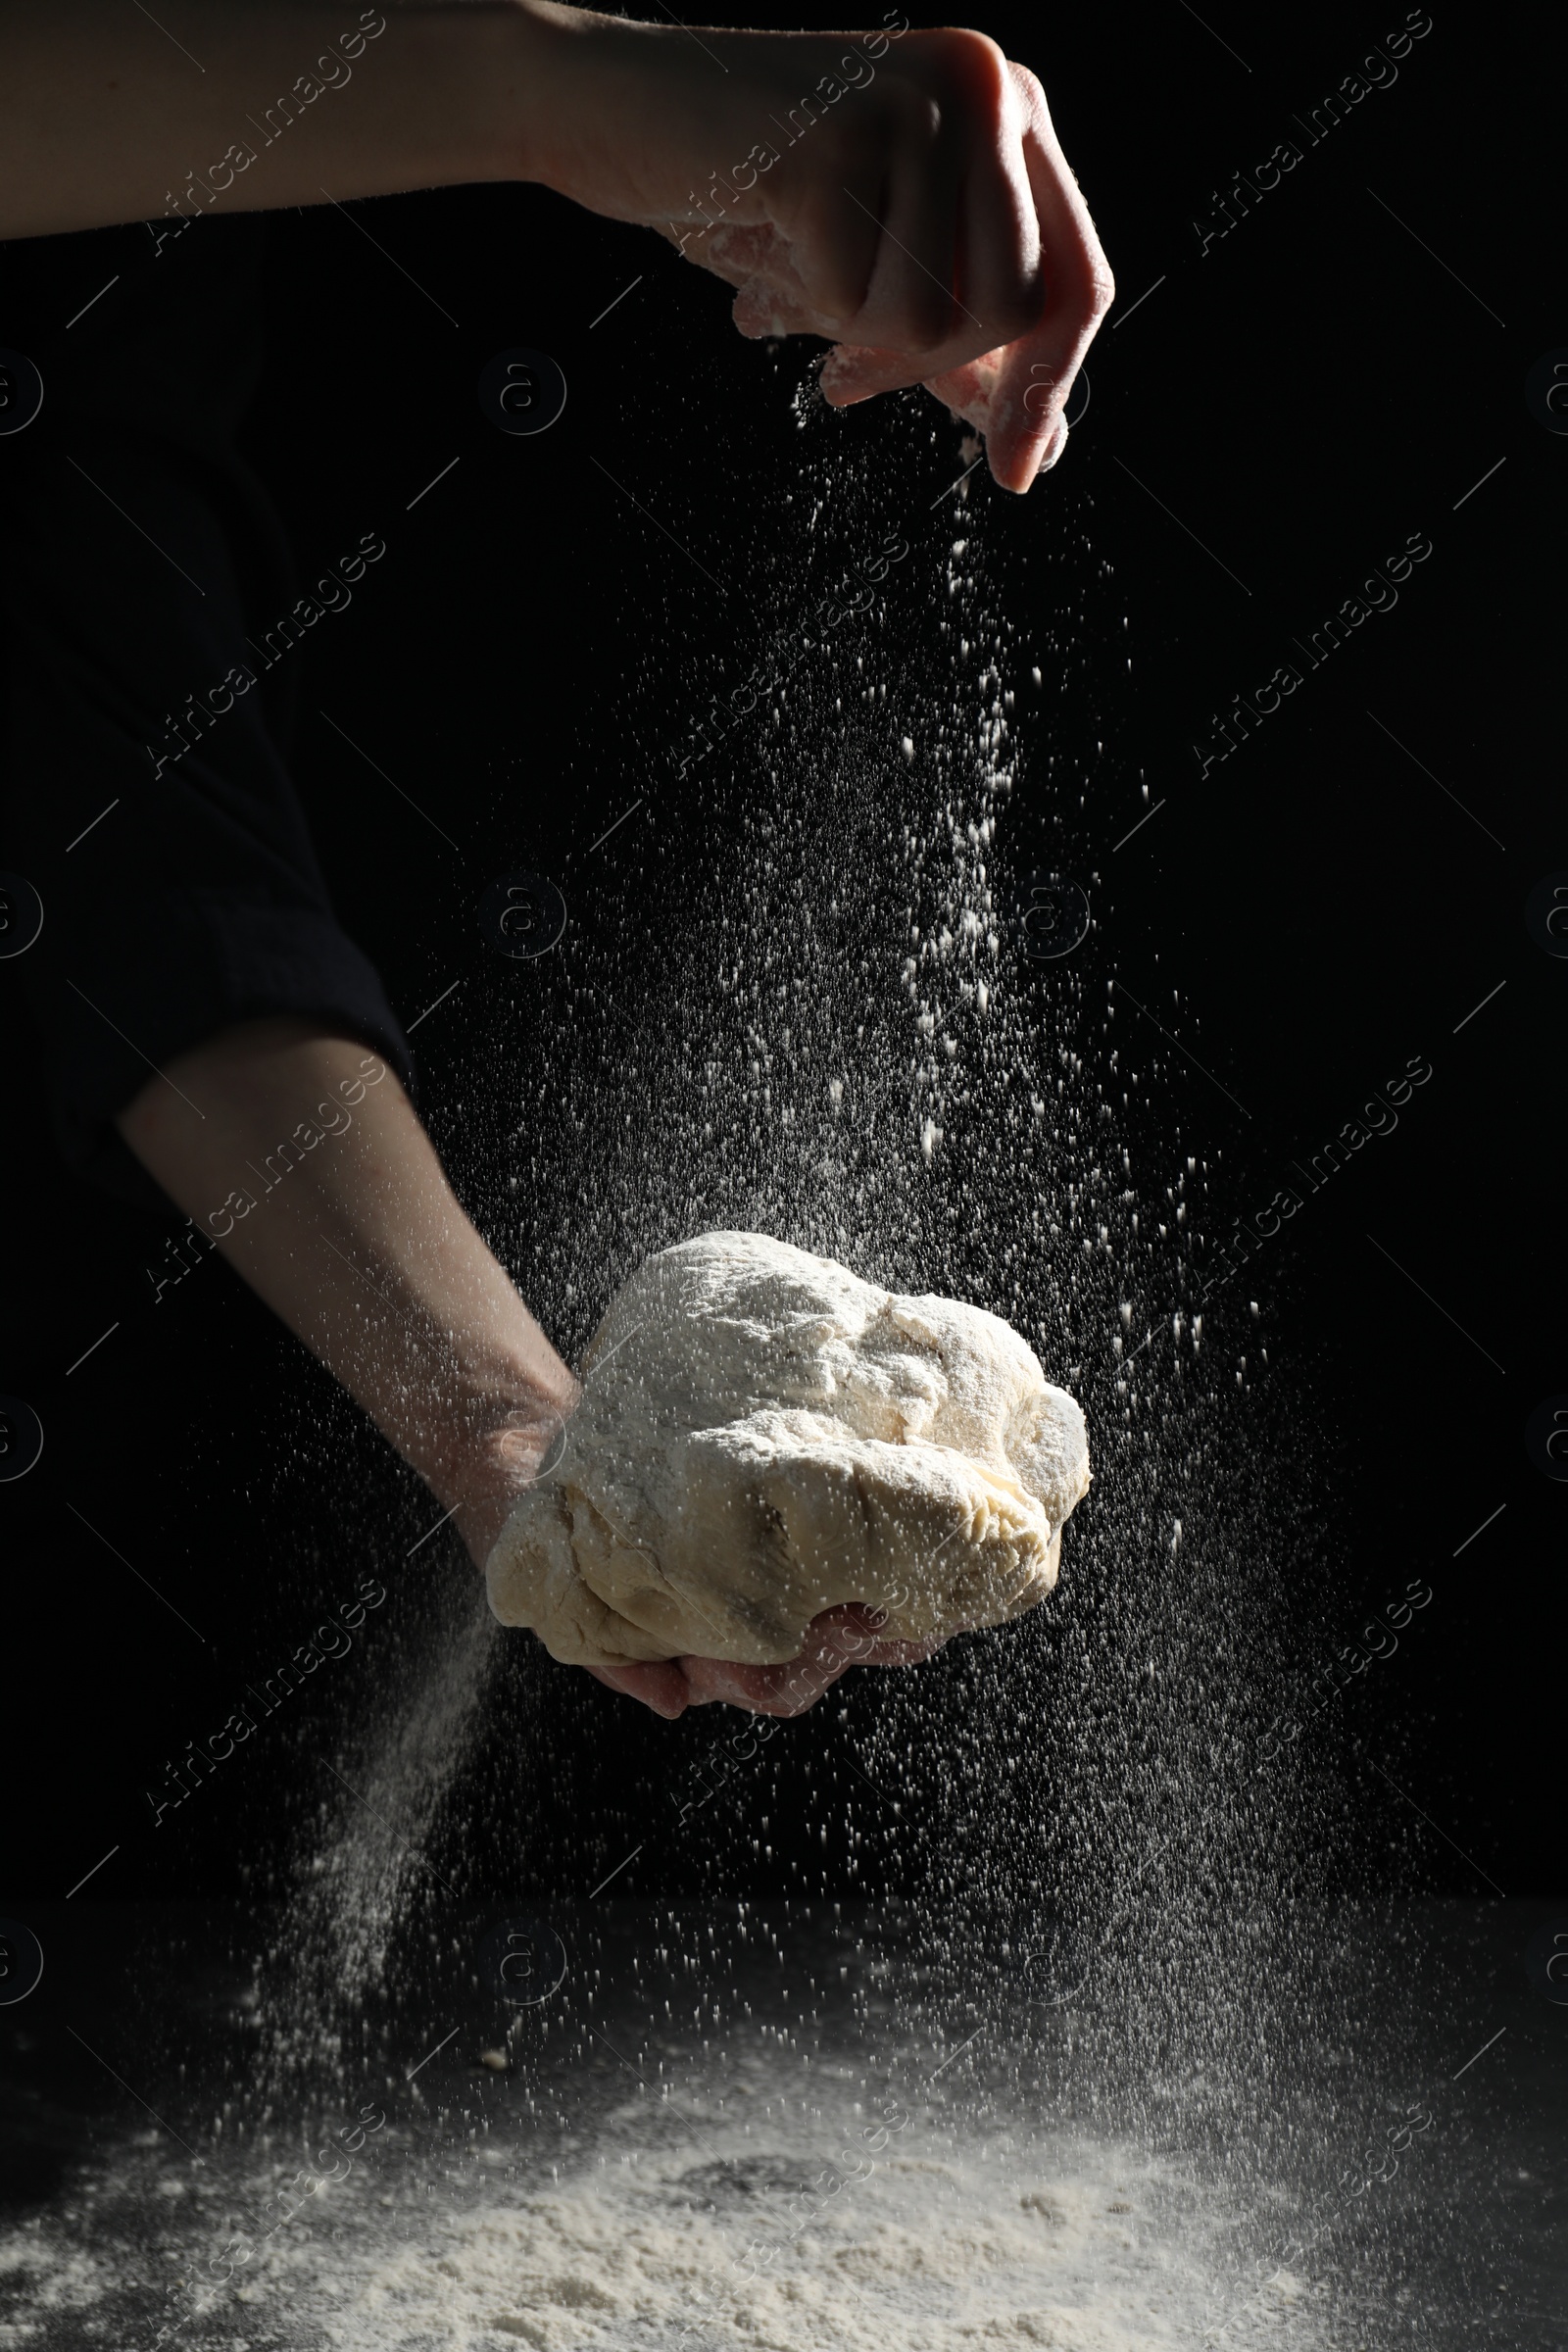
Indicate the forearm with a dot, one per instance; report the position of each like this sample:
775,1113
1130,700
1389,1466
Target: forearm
316,1181
943,171
106,116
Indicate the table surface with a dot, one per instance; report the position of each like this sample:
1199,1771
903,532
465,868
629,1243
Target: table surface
781,2126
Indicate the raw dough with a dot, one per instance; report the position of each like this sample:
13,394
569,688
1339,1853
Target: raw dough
764,1436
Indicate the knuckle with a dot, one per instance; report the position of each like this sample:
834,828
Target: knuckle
911,114
1016,312
923,323
971,60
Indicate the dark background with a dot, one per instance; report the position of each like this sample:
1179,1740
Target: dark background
1305,395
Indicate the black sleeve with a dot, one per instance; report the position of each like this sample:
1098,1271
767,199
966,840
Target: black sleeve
150,666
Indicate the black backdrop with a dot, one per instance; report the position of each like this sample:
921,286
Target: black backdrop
1304,394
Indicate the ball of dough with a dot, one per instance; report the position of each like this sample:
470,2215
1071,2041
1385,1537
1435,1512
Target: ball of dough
764,1436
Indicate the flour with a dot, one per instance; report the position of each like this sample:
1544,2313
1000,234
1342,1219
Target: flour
764,1435
929,2250
713,2223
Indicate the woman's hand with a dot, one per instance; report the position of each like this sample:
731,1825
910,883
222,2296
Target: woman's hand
836,1640
903,195
299,1156
900,193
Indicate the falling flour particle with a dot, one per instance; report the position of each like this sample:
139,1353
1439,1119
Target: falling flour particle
764,1436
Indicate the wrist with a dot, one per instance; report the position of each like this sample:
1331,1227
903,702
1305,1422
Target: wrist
474,92
484,1482
491,1449
593,106
527,92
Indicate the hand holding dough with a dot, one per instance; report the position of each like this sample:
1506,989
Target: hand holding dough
762,1436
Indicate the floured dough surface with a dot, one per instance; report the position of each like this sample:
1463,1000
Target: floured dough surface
764,1436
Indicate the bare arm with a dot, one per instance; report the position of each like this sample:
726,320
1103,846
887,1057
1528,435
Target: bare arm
301,1156
909,203
913,209
107,116
316,1181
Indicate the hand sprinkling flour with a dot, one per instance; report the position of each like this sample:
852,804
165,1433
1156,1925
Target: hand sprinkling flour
909,203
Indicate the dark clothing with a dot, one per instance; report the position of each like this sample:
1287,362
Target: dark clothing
142,566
